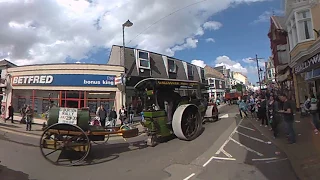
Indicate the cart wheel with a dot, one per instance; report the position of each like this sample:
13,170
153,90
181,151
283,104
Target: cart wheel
106,139
64,144
152,141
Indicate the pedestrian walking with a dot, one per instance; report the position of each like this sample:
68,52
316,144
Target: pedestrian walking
263,112
102,114
273,108
131,113
29,116
122,115
314,113
113,116
10,113
288,117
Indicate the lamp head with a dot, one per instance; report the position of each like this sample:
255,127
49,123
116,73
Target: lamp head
128,23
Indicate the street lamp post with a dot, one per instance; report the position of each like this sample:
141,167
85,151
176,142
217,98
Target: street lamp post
128,23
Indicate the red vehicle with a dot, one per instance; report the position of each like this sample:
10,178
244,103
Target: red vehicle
232,96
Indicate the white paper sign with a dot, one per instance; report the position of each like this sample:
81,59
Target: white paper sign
68,115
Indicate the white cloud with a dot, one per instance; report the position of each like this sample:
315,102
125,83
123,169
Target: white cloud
210,40
198,63
251,60
212,25
230,64
265,16
59,29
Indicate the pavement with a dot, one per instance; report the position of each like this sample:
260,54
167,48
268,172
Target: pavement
239,143
304,155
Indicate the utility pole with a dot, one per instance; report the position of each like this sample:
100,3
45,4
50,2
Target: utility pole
258,69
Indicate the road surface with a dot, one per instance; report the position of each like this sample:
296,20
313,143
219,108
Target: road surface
243,154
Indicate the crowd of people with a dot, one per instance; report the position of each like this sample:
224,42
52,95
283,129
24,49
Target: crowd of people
271,110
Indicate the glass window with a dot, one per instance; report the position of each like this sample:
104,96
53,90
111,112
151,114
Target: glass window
144,59
171,66
190,70
144,63
305,25
202,73
143,55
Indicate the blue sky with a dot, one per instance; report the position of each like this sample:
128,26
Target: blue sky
242,36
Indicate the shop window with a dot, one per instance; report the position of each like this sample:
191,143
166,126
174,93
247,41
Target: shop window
172,66
144,60
93,105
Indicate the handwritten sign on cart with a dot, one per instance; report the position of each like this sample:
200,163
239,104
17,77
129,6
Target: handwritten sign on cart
68,115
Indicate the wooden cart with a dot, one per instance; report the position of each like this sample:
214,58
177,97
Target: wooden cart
68,138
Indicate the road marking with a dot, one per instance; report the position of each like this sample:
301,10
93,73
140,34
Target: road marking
265,159
224,116
277,160
226,142
222,158
218,158
226,153
20,133
206,163
190,176
256,139
247,148
247,128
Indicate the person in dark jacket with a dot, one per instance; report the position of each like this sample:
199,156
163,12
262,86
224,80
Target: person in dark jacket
113,116
10,110
29,116
102,114
273,108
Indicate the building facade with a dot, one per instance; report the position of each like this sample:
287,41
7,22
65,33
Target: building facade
302,19
270,74
239,77
216,82
64,85
4,65
280,55
140,64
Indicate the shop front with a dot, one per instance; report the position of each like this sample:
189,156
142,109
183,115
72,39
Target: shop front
73,86
307,76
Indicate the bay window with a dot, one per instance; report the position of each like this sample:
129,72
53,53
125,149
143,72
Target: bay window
300,28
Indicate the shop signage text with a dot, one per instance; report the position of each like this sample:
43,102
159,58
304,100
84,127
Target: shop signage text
310,62
64,80
32,79
177,83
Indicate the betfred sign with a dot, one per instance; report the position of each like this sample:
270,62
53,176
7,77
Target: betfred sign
31,80
93,80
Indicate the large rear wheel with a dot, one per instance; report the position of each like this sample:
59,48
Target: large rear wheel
187,123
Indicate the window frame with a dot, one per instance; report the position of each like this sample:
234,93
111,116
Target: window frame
294,30
143,59
175,66
192,70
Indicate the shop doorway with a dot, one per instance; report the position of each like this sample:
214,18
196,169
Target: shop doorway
73,99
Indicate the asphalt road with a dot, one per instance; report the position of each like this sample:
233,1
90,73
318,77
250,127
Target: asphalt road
21,158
